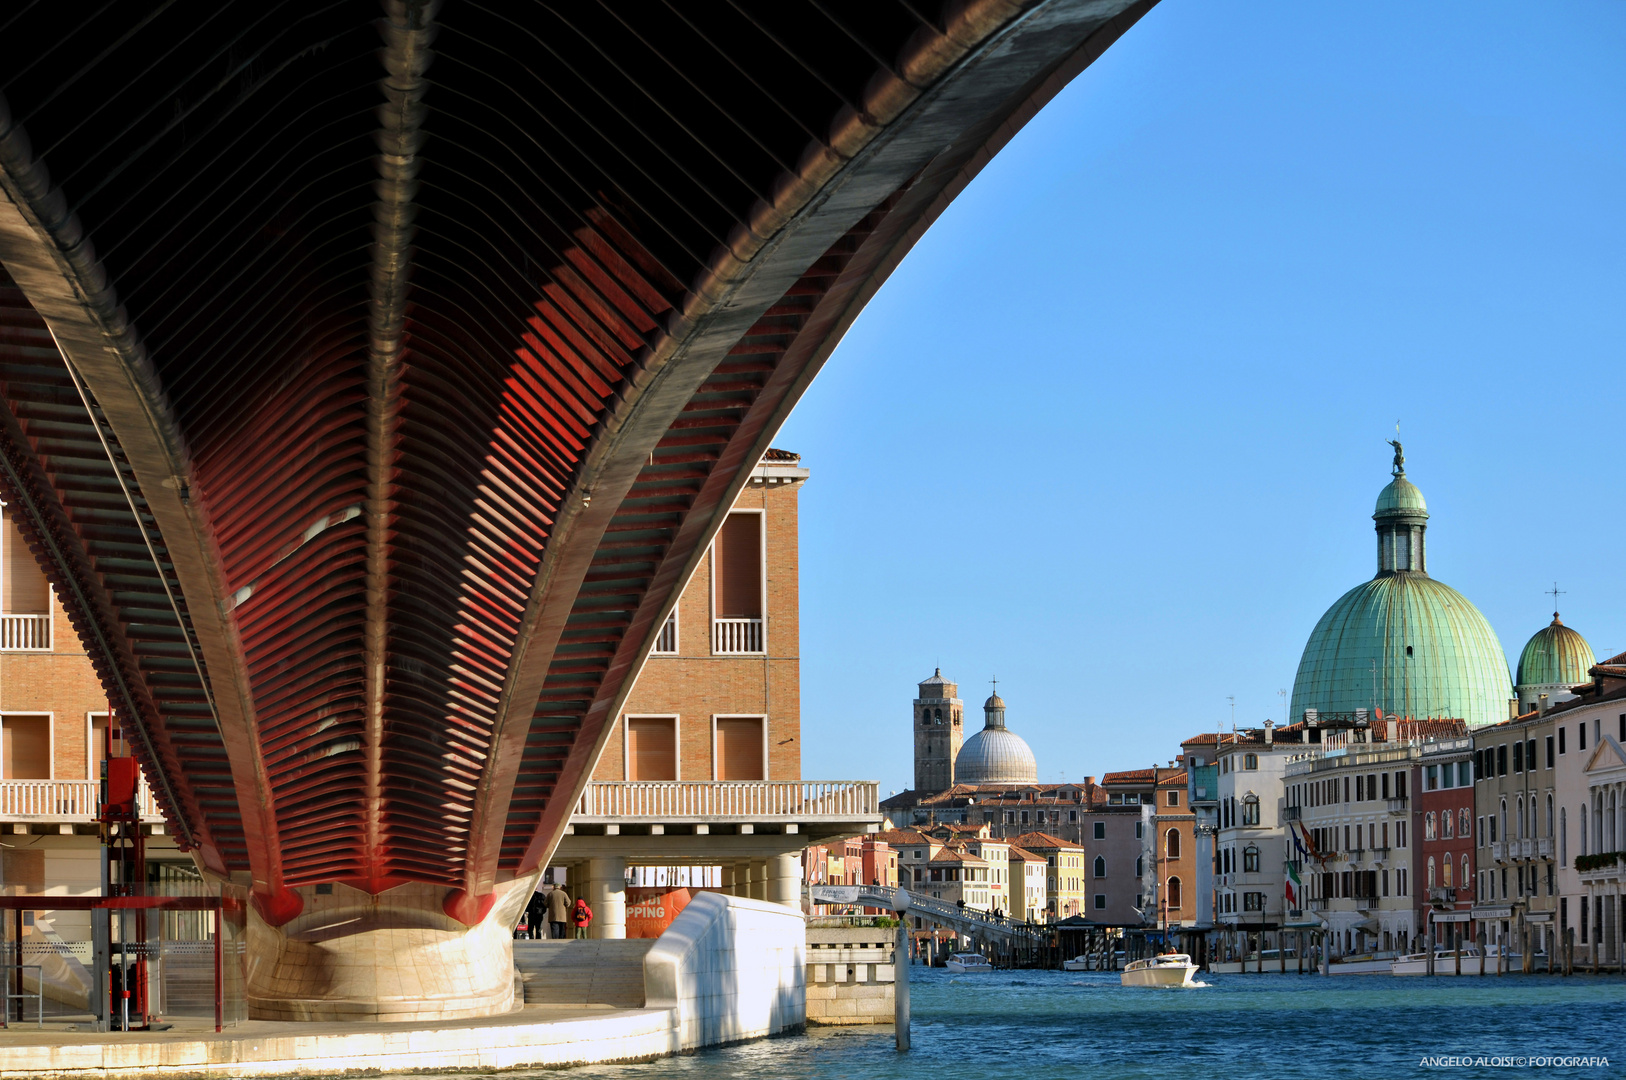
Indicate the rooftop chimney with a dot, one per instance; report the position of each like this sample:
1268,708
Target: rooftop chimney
1270,731
1541,709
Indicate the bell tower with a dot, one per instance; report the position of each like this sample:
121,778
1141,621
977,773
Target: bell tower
939,730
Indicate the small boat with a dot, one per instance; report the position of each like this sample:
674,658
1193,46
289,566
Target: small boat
968,963
1170,969
1082,962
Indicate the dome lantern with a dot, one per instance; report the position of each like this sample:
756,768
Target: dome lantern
995,755
1401,518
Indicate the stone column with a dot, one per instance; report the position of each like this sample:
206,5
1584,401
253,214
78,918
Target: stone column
726,883
784,881
759,879
742,879
608,896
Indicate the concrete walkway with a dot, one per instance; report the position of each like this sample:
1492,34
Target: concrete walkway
532,1036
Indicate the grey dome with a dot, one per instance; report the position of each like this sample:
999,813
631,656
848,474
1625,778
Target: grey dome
995,756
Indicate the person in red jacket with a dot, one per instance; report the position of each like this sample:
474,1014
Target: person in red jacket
582,916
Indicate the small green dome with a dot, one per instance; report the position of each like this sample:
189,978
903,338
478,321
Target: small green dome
1555,656
1400,497
1408,645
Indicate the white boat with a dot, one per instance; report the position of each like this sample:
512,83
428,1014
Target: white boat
1445,962
968,963
1080,962
1170,969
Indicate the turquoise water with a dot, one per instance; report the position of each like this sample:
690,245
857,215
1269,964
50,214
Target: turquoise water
1040,1024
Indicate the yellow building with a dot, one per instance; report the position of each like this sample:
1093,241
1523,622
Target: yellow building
1064,873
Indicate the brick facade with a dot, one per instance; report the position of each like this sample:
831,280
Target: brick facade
696,685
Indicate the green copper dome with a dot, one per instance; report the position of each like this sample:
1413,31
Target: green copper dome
1555,656
1400,496
1403,642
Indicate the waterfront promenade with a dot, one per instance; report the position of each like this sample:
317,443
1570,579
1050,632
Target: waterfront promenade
535,1035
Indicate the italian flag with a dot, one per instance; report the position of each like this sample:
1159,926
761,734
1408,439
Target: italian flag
1292,886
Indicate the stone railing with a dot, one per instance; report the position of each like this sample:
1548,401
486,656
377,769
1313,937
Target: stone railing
63,801
1544,847
729,800
1499,850
736,635
25,633
1398,805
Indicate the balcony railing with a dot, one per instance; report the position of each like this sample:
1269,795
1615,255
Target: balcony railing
1398,805
25,633
1291,813
1499,850
736,635
1438,895
1544,847
729,800
63,801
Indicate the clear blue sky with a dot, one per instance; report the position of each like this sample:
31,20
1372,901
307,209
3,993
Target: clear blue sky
1113,431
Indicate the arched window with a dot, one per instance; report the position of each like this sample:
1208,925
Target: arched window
1250,810
1250,860
1171,843
1446,881
1100,866
1549,815
1174,894
937,716
1563,837
1430,827
1431,871
1464,878
1519,809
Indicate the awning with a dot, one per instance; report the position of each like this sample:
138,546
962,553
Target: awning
1367,924
1539,916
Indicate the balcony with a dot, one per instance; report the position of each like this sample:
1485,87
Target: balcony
1499,850
1610,866
728,802
1438,895
1544,847
1401,805
25,633
734,636
1291,813
63,802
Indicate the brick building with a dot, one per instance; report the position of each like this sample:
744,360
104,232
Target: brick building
720,696
53,734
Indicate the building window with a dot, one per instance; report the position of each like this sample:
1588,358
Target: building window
666,643
1140,829
1100,901
1140,867
1250,860
25,595
26,740
1173,894
652,748
1100,866
1100,830
1253,901
1174,798
1171,844
1250,761
737,585
739,747
1431,829
1250,810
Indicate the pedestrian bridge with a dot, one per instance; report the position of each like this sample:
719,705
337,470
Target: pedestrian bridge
373,377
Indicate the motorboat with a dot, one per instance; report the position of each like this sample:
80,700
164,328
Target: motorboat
968,963
1170,969
1474,961
1272,960
1081,962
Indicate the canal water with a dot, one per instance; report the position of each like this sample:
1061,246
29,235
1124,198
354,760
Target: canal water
1035,1025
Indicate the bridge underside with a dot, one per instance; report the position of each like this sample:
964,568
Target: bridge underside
374,377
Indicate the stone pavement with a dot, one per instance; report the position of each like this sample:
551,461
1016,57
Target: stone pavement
535,1035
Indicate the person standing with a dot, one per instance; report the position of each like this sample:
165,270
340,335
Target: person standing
558,911
583,916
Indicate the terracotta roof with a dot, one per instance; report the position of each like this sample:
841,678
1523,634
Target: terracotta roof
1171,776
895,837
1044,840
1025,855
956,856
780,455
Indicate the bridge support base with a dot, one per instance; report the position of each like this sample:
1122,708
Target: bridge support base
394,956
